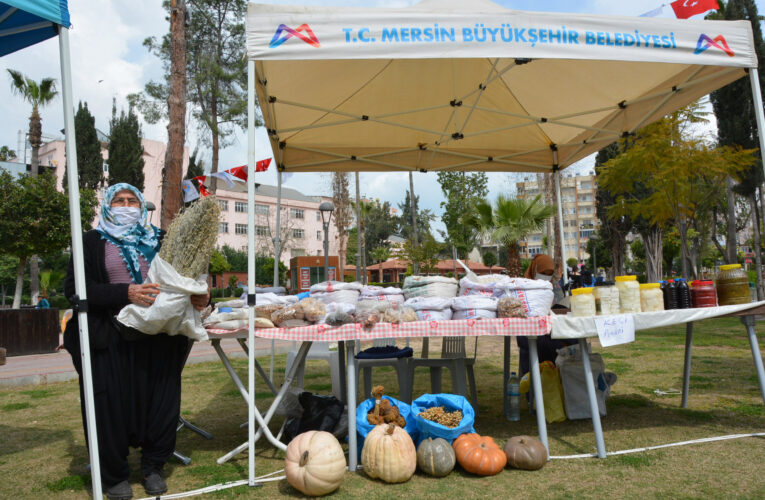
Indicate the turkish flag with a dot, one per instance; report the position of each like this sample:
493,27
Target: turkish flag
239,172
687,8
262,165
203,190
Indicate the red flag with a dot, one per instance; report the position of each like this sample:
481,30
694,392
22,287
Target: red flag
687,8
239,172
262,165
203,190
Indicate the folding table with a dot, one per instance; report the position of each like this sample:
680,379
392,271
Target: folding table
571,327
508,327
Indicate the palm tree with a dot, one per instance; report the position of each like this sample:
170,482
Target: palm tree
381,254
509,221
38,95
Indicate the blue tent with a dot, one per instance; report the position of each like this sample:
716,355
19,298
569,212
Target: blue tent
24,23
27,22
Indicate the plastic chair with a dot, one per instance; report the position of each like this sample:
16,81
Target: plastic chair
454,357
320,351
397,358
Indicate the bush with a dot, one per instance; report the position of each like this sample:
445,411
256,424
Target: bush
59,302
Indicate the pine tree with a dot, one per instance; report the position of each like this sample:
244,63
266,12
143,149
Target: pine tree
461,191
90,170
125,149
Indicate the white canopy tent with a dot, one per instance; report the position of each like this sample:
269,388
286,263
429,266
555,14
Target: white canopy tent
451,85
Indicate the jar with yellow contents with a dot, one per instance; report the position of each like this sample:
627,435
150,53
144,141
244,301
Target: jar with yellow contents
732,285
651,297
582,302
629,294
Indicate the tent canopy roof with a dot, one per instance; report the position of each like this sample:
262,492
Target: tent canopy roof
451,85
27,22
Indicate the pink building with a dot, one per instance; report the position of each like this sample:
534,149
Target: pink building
52,154
301,232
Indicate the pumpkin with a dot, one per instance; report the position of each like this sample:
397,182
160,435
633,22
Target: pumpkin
436,457
315,463
479,454
389,454
525,452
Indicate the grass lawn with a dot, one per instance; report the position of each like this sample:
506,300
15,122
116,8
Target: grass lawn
43,453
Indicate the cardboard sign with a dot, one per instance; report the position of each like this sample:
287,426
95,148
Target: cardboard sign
615,330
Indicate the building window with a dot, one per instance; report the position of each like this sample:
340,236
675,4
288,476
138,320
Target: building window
318,216
240,206
106,167
223,204
297,213
223,227
261,209
298,234
262,231
318,235
297,252
240,228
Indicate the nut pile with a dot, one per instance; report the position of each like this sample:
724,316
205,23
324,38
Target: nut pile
437,414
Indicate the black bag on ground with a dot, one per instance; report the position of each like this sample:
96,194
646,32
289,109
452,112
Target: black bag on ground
320,413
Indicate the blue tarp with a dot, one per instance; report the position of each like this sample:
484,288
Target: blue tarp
27,22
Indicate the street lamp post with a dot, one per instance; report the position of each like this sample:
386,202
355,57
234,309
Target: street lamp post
326,209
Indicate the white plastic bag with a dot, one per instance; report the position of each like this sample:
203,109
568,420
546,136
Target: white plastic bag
171,312
536,295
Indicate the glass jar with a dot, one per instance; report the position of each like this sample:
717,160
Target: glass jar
732,285
629,294
582,302
651,297
703,294
606,299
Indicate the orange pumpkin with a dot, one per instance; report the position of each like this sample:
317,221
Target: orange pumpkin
479,454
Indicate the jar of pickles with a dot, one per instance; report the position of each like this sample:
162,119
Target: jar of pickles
582,302
732,285
703,294
606,299
629,294
651,297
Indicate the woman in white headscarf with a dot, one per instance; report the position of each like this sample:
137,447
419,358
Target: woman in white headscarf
136,377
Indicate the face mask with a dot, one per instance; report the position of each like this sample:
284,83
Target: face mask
127,216
544,277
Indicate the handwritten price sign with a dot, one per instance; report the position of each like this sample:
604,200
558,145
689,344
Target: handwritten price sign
615,330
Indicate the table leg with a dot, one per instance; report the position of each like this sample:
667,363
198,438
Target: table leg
266,379
594,410
749,322
351,401
341,361
536,381
687,365
506,376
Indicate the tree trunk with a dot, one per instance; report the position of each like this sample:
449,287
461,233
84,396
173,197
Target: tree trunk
381,273
514,267
19,283
618,246
652,239
35,141
731,241
172,174
415,266
215,151
684,250
358,232
757,245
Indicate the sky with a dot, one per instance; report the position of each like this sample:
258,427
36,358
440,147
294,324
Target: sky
109,61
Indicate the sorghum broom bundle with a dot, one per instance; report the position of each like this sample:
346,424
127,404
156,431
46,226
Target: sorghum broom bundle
190,241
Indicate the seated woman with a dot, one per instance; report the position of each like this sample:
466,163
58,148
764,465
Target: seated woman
542,267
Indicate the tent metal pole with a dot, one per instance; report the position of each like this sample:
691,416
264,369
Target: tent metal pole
276,256
358,233
556,174
251,267
78,256
754,79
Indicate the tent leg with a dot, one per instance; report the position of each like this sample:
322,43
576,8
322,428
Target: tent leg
687,363
560,226
754,79
78,256
536,382
251,267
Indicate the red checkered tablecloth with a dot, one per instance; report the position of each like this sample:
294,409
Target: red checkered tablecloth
460,328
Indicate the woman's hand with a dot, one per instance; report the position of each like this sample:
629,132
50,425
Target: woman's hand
200,301
144,294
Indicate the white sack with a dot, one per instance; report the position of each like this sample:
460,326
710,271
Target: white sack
171,312
536,295
419,303
418,281
232,324
474,302
434,314
343,296
218,317
390,294
333,286
437,289
264,299
233,304
482,285
474,314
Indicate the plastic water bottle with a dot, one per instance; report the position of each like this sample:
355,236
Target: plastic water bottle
514,397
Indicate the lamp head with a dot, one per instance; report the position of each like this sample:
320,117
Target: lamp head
326,208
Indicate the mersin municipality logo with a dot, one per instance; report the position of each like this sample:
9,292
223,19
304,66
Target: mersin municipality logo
284,33
719,42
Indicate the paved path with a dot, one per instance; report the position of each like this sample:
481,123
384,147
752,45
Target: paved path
57,367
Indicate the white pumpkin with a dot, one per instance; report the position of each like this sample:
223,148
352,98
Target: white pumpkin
315,463
389,454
